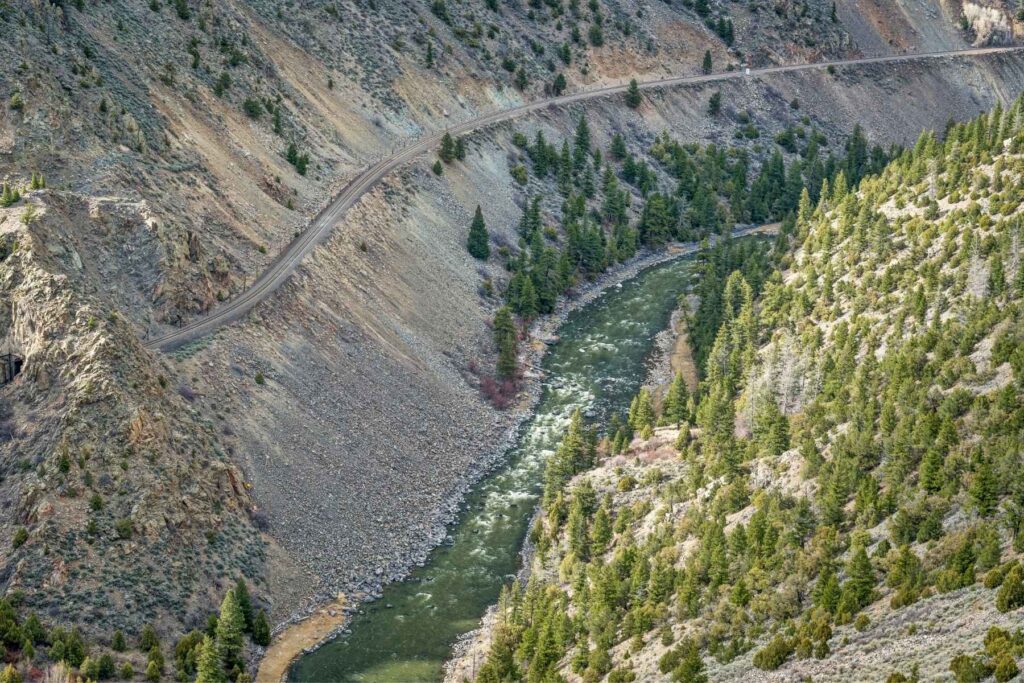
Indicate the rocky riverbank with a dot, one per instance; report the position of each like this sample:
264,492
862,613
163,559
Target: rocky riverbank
666,357
541,332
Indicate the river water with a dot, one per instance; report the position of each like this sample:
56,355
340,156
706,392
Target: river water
598,365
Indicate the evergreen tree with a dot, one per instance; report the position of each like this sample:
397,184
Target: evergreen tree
715,103
117,643
447,151
460,148
601,531
706,64
148,640
506,338
641,411
618,147
633,97
674,409
230,630
559,85
244,602
478,242
210,668
261,629
581,144
861,581
521,80
984,489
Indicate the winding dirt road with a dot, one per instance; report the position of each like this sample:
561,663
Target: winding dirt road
281,268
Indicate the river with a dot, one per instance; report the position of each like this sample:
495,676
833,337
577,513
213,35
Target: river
597,366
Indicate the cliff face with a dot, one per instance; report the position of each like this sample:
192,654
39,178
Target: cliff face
133,511
347,401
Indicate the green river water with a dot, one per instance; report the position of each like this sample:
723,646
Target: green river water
597,365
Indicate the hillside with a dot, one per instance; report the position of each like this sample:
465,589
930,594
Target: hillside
840,497
319,445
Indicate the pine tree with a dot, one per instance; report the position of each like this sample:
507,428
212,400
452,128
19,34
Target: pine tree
230,630
618,147
148,640
460,148
478,242
601,531
706,64
826,591
984,490
715,103
581,143
633,98
210,668
521,80
10,675
674,408
117,643
528,304
641,411
506,338
559,85
861,583
447,151
430,55
244,602
261,629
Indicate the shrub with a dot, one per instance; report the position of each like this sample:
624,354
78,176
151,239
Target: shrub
252,108
519,174
20,536
1011,593
967,669
123,527
1005,667
774,654
862,622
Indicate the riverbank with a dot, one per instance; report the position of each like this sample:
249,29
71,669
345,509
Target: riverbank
670,353
544,329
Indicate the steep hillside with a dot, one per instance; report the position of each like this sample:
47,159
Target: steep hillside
184,144
192,108
122,507
841,498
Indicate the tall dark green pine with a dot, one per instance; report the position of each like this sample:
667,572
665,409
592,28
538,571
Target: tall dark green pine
244,602
478,241
674,408
706,65
581,144
984,490
447,151
633,94
506,339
